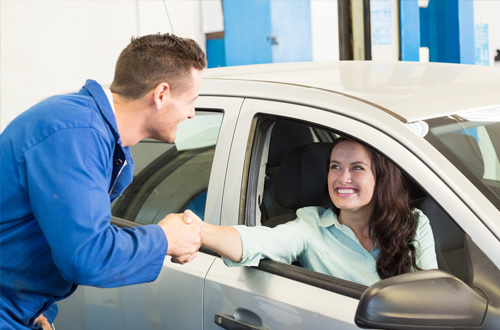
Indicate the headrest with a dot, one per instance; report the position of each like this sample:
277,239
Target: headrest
286,135
302,177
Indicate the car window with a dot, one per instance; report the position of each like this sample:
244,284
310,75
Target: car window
471,141
274,204
171,177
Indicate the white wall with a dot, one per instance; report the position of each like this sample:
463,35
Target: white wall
496,29
325,30
51,47
486,13
385,30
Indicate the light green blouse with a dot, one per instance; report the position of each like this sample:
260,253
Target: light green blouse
319,242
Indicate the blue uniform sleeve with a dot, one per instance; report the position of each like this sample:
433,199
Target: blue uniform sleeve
67,179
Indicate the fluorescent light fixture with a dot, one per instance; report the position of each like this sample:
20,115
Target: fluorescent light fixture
483,115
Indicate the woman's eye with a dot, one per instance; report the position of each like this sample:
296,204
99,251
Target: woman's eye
334,167
358,168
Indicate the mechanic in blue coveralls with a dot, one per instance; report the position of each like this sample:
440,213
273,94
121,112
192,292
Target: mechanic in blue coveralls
64,161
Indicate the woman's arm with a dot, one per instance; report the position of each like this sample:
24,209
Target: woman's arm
245,246
224,240
426,252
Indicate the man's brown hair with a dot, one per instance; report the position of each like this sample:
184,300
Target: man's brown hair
152,59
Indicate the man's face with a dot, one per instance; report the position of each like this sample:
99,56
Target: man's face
179,107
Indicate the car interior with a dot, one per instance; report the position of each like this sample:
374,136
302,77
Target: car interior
174,181
293,163
472,146
296,175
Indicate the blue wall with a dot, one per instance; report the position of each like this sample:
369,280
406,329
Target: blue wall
409,23
250,27
291,25
216,53
247,24
447,29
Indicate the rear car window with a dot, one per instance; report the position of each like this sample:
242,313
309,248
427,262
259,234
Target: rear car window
170,178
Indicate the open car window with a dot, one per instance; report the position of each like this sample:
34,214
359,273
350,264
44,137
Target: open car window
271,203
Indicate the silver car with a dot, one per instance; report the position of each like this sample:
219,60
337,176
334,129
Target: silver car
440,123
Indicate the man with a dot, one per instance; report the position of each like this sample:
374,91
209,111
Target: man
65,159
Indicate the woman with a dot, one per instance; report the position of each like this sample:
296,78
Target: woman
369,233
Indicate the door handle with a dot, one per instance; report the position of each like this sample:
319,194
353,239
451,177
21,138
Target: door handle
228,322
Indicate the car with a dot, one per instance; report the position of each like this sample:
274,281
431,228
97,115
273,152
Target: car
439,123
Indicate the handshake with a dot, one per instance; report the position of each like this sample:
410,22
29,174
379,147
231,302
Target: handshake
184,232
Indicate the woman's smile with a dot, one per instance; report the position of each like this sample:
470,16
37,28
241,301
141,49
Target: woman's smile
345,192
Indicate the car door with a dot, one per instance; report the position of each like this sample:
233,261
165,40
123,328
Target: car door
168,178
279,296
274,295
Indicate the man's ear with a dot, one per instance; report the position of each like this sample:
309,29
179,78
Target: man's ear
161,94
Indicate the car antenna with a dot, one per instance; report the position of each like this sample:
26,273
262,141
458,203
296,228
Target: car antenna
168,16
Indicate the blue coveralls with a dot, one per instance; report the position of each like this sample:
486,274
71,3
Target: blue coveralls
61,164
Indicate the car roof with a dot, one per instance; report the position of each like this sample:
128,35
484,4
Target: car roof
411,91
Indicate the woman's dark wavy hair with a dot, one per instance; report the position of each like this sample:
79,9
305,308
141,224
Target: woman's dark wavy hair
393,223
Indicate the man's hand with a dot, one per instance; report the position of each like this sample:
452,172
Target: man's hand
183,259
43,322
184,236
189,218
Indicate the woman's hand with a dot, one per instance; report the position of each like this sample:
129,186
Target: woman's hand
224,240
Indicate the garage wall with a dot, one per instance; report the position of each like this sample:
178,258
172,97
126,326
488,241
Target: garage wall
496,32
384,21
51,47
325,30
487,31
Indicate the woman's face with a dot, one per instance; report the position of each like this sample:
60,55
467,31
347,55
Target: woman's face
351,178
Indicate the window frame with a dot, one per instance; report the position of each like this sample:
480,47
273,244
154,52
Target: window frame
260,129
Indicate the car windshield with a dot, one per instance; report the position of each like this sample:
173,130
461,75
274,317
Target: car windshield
471,141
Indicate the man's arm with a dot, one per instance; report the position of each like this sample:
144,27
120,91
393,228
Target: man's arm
68,182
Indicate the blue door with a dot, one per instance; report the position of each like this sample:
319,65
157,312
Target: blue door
262,31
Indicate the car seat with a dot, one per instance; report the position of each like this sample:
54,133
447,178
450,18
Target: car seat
285,136
301,180
448,238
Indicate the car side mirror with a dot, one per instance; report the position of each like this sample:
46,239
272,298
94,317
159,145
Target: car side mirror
420,300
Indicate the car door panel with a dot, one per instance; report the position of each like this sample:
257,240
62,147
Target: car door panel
275,301
168,302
